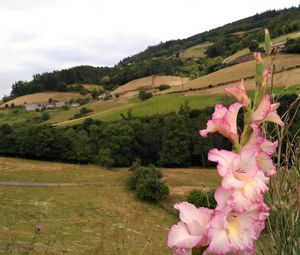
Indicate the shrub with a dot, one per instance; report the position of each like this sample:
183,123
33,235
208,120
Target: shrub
151,189
45,116
202,198
104,158
146,183
163,87
85,110
144,95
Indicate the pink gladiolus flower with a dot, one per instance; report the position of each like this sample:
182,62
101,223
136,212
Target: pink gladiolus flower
256,140
266,112
191,231
265,149
238,93
224,121
243,182
235,232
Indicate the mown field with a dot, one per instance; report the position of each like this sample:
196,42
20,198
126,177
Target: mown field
43,97
92,212
243,70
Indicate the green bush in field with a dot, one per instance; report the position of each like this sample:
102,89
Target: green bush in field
163,87
151,189
104,158
45,116
144,95
146,183
202,198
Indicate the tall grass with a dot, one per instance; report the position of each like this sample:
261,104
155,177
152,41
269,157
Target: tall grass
283,226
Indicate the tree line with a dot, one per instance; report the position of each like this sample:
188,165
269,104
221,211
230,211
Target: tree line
170,140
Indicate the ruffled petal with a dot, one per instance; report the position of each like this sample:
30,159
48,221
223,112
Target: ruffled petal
223,158
262,110
179,237
238,93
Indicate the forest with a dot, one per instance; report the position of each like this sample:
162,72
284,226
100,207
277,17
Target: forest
170,140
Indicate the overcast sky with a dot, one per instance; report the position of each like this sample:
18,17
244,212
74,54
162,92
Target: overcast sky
45,35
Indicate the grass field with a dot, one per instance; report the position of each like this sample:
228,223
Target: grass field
278,39
97,215
242,70
197,51
89,87
155,105
43,97
151,82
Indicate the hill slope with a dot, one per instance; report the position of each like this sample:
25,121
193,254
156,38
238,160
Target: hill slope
43,97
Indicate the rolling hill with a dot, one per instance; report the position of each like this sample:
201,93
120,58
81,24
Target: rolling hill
151,82
43,97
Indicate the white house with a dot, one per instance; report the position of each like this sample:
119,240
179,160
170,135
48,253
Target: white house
32,107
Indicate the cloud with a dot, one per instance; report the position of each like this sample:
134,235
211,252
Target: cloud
42,35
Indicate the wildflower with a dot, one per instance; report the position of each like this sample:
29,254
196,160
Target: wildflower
224,121
191,231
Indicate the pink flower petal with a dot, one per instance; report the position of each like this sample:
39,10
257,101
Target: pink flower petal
179,237
238,93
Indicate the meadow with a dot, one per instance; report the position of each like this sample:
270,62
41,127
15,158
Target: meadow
87,210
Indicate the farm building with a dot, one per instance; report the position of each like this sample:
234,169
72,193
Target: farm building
32,107
35,107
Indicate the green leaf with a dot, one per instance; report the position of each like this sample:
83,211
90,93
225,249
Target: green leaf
267,42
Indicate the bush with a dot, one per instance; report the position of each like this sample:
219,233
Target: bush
144,95
163,87
45,116
85,110
104,158
146,183
202,198
151,189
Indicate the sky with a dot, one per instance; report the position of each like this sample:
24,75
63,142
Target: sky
44,35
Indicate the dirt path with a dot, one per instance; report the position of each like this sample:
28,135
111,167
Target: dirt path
46,184
91,115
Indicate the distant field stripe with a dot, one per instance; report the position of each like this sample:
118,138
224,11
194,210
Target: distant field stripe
91,116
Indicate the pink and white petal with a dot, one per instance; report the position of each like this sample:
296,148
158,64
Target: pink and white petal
180,251
179,237
262,110
265,163
245,164
240,238
219,112
238,201
197,220
275,118
223,158
187,212
269,147
222,196
229,182
203,132
238,93
231,116
219,244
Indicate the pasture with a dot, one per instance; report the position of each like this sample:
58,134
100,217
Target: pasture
87,209
43,97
